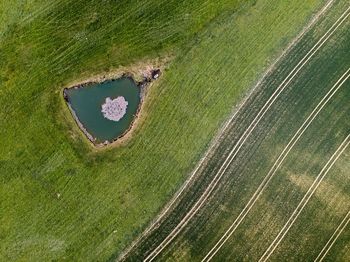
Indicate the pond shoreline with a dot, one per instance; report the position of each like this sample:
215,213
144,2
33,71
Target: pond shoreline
148,77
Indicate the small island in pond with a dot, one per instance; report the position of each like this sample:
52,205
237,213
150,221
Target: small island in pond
114,109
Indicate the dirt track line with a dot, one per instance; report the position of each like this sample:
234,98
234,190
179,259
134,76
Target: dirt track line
276,165
223,129
244,137
334,237
305,200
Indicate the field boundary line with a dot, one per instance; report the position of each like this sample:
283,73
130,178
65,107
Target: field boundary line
298,134
333,238
235,111
290,222
246,134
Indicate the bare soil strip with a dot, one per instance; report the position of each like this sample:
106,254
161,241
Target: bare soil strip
305,200
246,134
277,165
216,141
333,238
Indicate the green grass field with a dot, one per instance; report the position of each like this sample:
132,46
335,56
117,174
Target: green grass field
60,199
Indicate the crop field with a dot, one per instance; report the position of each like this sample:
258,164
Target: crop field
240,152
277,185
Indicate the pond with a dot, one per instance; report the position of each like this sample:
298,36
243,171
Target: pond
104,111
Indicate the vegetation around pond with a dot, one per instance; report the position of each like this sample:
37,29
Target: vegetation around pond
106,110
61,199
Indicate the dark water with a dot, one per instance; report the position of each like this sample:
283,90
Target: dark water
87,102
